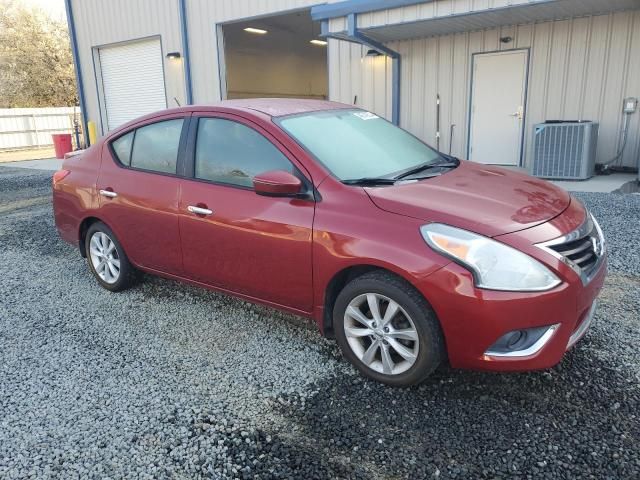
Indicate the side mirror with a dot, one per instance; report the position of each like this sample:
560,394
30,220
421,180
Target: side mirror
277,183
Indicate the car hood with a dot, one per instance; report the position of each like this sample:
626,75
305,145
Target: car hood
484,199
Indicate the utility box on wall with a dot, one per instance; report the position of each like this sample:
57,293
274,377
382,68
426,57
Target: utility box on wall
565,150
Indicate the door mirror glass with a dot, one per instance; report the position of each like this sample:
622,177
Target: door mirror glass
277,183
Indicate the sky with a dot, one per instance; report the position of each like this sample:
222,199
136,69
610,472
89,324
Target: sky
53,7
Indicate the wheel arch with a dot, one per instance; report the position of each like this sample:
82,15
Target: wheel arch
340,279
82,232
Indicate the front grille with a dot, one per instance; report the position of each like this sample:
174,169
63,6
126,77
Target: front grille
581,250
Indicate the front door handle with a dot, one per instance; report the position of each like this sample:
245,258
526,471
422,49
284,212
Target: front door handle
199,210
108,193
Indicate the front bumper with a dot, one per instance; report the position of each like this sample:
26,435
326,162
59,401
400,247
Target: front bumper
473,319
583,326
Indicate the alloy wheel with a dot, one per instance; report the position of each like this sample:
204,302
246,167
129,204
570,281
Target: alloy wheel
381,334
104,257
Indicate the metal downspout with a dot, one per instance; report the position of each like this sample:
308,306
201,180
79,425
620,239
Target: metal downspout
185,51
78,69
356,36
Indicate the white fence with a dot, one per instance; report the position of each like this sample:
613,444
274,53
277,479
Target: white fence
22,128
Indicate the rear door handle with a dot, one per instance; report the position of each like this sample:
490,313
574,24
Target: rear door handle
199,210
108,193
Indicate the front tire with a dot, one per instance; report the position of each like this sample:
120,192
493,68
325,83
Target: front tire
107,259
387,330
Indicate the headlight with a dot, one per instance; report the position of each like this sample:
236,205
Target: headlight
495,266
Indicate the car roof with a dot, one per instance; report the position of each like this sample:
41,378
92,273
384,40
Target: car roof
269,107
277,107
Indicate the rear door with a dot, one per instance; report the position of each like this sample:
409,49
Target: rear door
138,189
250,244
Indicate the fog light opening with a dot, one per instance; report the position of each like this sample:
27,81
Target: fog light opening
513,338
522,343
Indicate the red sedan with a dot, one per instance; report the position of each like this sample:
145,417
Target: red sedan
407,256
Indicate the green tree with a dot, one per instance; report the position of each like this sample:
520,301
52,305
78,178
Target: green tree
36,65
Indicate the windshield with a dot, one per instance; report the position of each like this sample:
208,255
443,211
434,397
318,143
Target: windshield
355,144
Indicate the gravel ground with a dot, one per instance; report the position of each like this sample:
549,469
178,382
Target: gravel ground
168,381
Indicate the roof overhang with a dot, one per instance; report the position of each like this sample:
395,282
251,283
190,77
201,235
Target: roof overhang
531,12
346,7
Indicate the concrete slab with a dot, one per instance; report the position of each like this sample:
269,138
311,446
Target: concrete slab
27,154
620,182
599,183
51,164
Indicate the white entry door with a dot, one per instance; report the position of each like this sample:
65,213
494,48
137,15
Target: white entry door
133,81
497,107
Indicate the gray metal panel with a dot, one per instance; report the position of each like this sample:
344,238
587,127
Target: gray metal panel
580,68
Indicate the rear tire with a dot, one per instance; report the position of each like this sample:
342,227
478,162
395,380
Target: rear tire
387,330
107,260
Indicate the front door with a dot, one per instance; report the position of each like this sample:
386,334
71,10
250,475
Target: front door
497,107
237,240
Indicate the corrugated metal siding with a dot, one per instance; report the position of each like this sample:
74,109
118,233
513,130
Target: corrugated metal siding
99,22
203,15
580,68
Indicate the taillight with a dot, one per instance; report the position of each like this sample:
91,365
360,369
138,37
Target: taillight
59,175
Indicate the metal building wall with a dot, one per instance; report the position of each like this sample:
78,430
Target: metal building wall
100,23
580,68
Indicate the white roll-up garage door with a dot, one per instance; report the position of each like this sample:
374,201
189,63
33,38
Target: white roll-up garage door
132,80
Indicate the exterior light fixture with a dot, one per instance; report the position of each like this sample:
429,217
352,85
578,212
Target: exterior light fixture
173,55
322,43
373,53
259,31
506,39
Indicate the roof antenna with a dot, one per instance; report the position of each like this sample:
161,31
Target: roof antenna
176,100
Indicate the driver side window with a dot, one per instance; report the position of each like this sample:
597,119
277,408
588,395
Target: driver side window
232,153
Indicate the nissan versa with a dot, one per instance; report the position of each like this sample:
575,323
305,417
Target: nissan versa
407,256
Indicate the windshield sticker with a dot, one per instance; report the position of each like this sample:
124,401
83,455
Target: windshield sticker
366,115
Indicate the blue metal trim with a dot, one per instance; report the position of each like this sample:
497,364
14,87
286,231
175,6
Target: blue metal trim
324,28
356,36
78,69
185,51
94,52
341,9
395,90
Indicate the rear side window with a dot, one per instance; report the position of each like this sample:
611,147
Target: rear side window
230,152
155,146
122,148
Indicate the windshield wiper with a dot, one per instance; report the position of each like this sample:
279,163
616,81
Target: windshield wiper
449,162
369,181
426,166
